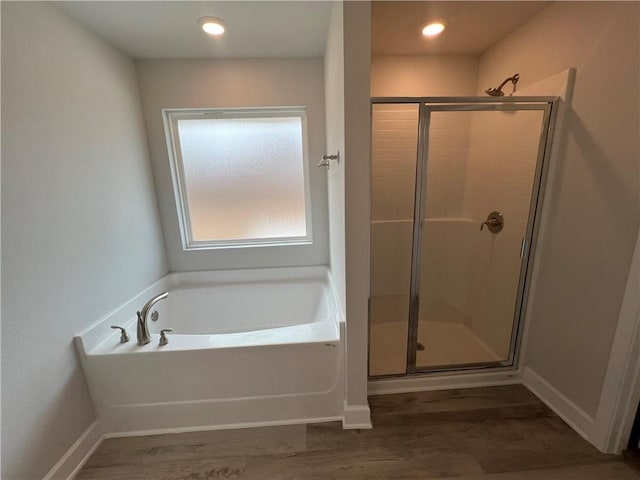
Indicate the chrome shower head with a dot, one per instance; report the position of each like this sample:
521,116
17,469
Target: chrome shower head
497,92
494,92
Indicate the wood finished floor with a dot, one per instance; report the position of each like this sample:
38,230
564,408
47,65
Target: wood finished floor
497,433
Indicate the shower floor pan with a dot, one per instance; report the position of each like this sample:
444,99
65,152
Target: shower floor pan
446,343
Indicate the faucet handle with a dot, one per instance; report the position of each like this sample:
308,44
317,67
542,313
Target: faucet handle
124,338
163,338
494,222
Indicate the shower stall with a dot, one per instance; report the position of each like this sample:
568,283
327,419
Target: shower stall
456,191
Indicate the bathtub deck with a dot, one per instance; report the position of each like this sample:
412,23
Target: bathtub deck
498,433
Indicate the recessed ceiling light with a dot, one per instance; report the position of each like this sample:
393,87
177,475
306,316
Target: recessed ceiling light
212,25
433,29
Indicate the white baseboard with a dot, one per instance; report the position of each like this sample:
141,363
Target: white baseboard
356,417
572,414
77,455
386,386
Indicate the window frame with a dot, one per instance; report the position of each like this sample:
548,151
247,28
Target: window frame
171,116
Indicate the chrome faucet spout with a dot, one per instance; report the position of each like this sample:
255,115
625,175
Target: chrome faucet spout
144,336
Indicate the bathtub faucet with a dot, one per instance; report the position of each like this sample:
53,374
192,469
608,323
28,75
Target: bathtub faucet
144,336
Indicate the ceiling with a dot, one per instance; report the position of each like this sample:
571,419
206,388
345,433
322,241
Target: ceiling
168,29
472,27
263,28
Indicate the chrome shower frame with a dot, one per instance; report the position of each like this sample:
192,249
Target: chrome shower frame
549,107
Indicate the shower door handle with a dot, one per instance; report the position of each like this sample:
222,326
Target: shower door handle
494,222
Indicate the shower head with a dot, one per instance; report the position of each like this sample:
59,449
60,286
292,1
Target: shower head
497,92
494,92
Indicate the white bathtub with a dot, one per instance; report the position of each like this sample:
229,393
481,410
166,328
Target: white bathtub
248,347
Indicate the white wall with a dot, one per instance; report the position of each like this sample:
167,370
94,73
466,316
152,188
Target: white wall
357,164
594,208
80,230
423,76
236,83
334,115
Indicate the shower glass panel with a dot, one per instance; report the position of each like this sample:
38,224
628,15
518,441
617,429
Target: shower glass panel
469,274
394,154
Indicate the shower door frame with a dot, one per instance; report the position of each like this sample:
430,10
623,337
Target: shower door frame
549,107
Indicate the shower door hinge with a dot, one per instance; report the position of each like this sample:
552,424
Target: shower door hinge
523,248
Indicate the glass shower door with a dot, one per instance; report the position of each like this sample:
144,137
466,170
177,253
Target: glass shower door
394,153
478,194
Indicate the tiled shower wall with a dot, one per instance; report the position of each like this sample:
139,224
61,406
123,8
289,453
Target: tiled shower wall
395,133
443,282
394,150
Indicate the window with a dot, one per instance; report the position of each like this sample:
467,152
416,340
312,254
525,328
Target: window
240,176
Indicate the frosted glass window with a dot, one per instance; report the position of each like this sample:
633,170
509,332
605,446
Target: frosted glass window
241,176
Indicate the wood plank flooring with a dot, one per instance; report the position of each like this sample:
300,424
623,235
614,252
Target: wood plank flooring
497,433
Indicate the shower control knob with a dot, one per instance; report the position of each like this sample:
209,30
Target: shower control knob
490,223
494,222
